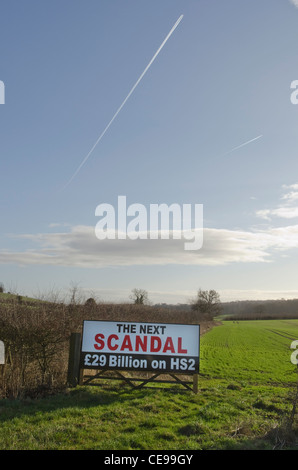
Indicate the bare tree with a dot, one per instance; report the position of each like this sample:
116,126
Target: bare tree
77,296
207,304
139,296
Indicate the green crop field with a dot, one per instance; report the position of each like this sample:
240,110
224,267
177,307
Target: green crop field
256,351
245,399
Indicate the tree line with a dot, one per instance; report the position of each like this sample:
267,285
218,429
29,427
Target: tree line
260,309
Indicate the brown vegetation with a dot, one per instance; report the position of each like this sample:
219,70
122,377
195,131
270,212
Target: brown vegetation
36,337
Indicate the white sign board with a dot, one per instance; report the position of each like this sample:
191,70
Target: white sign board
2,353
140,346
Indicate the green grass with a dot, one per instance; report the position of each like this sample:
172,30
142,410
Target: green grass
90,418
244,393
257,351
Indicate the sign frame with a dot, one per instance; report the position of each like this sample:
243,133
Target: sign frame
137,359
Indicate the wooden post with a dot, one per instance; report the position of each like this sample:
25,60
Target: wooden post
195,383
74,359
81,376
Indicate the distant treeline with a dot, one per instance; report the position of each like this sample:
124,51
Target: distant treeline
250,309
260,309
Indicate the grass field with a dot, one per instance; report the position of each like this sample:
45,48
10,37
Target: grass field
256,351
245,395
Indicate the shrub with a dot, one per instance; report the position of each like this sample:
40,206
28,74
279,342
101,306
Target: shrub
36,337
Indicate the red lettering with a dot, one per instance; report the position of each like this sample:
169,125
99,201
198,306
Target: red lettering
126,344
180,350
109,342
153,341
169,345
98,340
141,343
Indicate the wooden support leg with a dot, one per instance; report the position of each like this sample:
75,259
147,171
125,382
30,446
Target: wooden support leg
195,383
74,359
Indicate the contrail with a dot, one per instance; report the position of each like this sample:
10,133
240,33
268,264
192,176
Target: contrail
242,145
129,94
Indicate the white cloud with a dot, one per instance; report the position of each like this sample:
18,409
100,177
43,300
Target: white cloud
294,2
288,209
282,212
291,196
79,247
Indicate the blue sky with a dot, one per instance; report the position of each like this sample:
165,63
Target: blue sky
222,79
